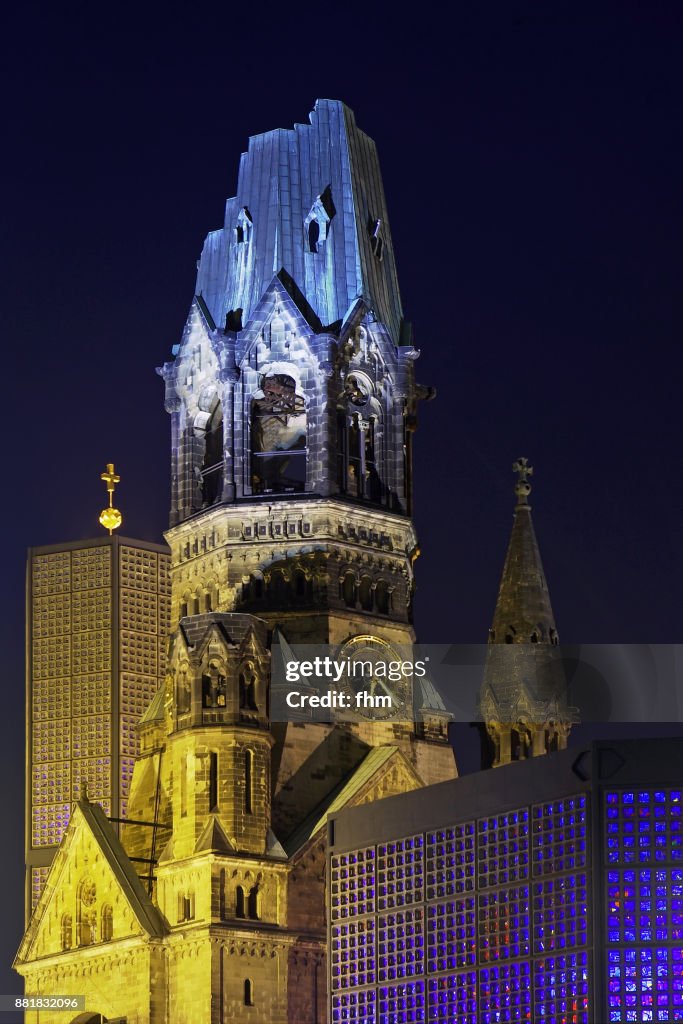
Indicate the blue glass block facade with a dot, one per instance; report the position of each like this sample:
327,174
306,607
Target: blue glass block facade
644,904
458,924
543,892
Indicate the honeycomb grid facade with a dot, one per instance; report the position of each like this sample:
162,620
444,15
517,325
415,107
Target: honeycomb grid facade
566,908
98,619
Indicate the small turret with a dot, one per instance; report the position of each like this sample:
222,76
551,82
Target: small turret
524,692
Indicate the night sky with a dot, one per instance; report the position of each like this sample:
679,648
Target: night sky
532,162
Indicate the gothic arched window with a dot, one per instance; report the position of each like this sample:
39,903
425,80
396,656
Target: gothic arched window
254,903
317,223
278,436
213,687
349,590
382,598
249,781
365,593
247,687
278,586
212,463
66,931
186,906
243,227
357,440
299,583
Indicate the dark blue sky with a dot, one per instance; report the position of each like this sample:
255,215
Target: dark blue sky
532,158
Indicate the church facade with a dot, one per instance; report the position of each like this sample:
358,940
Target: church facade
293,400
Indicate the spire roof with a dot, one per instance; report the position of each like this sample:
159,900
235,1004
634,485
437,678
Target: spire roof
523,612
524,679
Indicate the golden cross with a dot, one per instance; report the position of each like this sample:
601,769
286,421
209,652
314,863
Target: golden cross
111,479
110,518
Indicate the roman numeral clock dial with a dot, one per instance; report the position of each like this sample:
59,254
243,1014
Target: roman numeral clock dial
374,680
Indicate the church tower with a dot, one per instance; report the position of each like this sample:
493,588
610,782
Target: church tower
524,694
293,401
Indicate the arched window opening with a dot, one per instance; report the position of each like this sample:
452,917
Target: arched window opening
186,906
349,590
213,780
243,227
221,895
248,992
254,903
316,225
518,743
357,457
212,463
278,587
183,695
299,583
107,923
278,436
248,781
240,903
342,453
184,769
66,931
382,598
214,686
365,594
313,235
354,470
247,688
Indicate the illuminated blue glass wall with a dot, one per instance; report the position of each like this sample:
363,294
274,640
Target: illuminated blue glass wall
548,891
644,912
485,921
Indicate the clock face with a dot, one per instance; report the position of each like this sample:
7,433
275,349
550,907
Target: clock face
373,682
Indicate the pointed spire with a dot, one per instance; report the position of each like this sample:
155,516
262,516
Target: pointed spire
524,692
523,611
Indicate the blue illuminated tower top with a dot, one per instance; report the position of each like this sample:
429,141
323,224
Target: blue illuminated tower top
294,375
309,202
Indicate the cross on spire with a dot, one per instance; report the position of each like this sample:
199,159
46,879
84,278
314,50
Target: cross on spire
110,517
522,488
110,478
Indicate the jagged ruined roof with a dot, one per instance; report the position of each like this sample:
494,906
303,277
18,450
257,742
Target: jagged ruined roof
328,169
